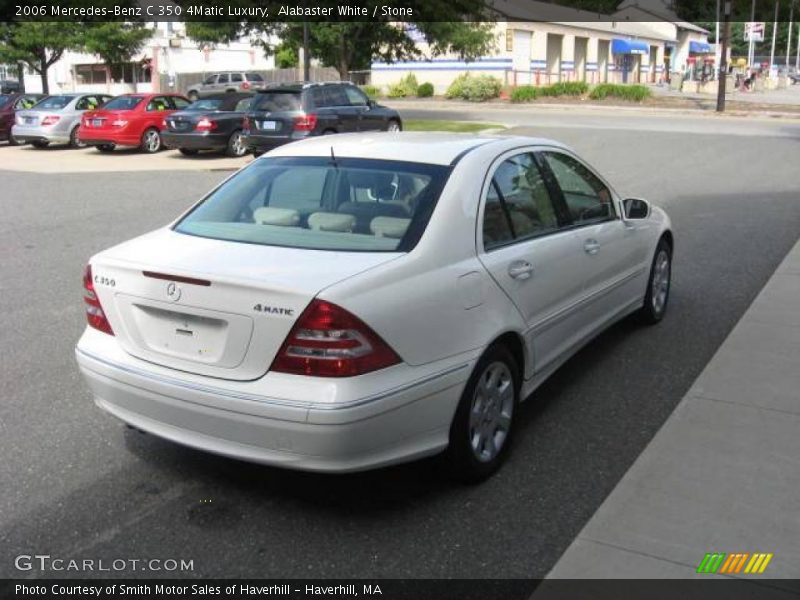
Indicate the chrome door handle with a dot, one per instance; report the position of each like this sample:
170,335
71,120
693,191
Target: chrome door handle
520,269
591,246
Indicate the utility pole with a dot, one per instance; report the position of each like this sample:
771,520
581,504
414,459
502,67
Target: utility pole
306,54
716,36
774,34
789,37
723,62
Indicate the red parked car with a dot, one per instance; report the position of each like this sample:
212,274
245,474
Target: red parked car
9,105
130,120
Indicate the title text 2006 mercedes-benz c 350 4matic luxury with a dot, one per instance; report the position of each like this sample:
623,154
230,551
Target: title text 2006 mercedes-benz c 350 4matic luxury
351,302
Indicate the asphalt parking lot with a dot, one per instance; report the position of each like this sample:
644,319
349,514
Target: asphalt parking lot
78,484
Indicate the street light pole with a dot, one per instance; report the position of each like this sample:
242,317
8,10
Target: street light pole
723,61
789,37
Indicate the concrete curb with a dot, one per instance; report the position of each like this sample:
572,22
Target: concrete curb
723,473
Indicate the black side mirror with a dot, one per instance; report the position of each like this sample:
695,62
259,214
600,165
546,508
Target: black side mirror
371,103
636,208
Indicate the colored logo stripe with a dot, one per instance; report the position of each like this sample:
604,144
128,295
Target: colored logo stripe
723,563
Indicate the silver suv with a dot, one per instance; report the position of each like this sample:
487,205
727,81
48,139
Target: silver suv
219,83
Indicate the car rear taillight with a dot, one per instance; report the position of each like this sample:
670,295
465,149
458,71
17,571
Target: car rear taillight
164,124
245,85
328,341
305,122
94,312
50,120
205,124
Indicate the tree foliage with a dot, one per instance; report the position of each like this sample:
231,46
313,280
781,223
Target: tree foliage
38,44
116,42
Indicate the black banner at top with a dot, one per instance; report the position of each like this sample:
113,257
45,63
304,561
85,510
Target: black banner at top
279,11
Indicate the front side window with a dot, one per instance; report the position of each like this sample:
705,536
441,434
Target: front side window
355,96
180,103
210,80
206,104
518,203
588,200
351,204
157,104
242,105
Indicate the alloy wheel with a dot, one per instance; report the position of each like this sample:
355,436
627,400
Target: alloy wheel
237,144
152,140
661,278
491,411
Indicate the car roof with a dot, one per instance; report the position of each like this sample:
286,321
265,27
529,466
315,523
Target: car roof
226,95
427,147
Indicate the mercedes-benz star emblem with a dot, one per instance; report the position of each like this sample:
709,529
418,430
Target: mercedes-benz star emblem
173,291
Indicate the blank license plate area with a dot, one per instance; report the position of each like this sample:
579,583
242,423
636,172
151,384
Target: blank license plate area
97,122
269,125
180,334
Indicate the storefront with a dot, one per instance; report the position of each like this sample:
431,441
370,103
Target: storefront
700,63
628,58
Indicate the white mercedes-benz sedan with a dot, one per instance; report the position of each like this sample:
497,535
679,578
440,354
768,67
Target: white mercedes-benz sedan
349,302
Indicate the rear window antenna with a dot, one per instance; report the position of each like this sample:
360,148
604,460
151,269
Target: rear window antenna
333,158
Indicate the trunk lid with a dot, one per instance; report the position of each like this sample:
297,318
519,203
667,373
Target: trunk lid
211,307
102,119
185,121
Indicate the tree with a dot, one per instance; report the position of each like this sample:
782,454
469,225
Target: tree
462,27
38,44
114,42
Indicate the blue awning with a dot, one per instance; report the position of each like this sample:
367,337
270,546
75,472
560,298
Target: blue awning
619,46
699,48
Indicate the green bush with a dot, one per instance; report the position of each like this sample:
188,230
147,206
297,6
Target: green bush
425,90
373,92
632,93
474,88
404,88
528,93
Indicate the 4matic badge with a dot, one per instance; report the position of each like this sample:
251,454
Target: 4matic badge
274,310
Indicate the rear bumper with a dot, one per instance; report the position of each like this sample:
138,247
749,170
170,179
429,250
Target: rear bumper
264,143
195,141
357,432
37,134
102,138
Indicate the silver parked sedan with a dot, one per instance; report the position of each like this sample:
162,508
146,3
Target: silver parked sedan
55,120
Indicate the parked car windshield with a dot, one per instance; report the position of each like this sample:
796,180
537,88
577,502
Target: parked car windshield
54,102
277,101
207,104
346,204
123,103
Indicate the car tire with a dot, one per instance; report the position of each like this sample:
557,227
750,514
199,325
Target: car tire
74,140
40,144
658,285
188,151
394,126
481,431
192,96
236,147
329,132
106,148
151,141
257,153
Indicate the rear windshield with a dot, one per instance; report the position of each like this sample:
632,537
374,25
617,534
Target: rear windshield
207,104
254,77
352,204
124,103
277,101
55,102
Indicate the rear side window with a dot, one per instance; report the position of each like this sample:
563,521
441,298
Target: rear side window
55,102
351,205
518,203
124,103
277,101
236,77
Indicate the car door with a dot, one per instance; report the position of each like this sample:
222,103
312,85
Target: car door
526,243
208,86
223,83
156,110
614,251
368,119
347,115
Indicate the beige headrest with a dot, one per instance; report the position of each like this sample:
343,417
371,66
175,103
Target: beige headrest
391,227
323,221
269,215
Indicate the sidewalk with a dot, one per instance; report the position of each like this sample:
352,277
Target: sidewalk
723,473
